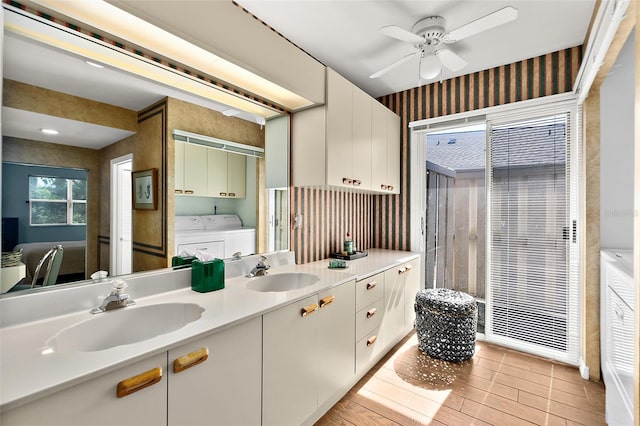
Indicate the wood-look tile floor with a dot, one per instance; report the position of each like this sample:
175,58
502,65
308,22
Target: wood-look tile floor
498,386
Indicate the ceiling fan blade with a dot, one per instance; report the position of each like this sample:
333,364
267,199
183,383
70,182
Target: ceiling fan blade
394,65
401,34
485,23
451,60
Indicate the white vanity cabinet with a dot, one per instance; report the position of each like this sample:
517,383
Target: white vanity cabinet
411,277
307,354
95,402
225,387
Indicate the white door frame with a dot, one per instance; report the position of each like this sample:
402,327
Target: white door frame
115,206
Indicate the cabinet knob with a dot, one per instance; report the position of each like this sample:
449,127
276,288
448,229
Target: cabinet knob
308,310
188,191
371,340
190,360
326,301
371,285
138,382
371,312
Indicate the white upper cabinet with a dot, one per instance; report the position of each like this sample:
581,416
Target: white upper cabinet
226,174
351,142
191,179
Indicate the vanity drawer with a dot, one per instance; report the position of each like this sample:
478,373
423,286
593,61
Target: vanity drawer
369,290
367,348
369,318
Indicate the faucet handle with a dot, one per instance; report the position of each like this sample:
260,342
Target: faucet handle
119,286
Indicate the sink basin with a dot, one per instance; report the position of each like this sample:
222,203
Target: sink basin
282,282
124,326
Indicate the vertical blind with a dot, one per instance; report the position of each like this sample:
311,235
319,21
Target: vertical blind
533,295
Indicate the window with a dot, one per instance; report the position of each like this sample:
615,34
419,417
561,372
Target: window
57,201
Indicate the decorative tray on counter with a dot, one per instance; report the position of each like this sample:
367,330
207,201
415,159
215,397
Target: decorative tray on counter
352,256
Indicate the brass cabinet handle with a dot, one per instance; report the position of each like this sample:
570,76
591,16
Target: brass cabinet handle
223,194
371,340
190,360
383,187
308,310
178,191
371,285
188,191
232,194
356,182
326,301
408,267
139,382
402,270
390,187
347,181
371,312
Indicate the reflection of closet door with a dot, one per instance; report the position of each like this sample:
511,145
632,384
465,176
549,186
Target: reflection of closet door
195,170
217,172
236,175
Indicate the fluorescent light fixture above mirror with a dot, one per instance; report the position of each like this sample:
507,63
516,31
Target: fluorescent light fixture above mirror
221,144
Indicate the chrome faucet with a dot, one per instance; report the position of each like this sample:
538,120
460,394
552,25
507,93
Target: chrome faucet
260,269
116,299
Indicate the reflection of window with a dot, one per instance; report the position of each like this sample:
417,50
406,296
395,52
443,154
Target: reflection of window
57,201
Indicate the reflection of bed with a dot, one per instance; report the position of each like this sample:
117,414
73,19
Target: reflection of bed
73,260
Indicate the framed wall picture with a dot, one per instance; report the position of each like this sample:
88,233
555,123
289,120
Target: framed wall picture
145,189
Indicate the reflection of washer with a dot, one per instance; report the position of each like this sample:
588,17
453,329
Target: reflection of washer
219,235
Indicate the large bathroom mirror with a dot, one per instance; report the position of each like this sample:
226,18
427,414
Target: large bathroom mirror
76,186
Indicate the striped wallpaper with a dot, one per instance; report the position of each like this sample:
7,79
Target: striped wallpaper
383,220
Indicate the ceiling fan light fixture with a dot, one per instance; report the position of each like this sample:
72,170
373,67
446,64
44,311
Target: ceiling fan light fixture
430,66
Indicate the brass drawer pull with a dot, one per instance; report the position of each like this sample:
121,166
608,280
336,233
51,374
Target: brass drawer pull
178,191
371,340
139,382
371,285
190,360
232,194
408,267
402,270
223,194
308,310
326,301
371,312
357,182
347,181
188,191
389,187
383,187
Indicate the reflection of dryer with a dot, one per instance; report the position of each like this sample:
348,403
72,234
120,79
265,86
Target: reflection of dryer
219,235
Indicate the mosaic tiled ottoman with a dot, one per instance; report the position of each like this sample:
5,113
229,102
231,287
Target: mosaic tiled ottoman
446,322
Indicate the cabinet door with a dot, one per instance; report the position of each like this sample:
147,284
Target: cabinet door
225,388
217,173
236,175
336,337
411,287
339,130
179,170
289,363
94,402
361,139
393,321
379,160
195,170
393,152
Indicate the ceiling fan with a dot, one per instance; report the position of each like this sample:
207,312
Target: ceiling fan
429,36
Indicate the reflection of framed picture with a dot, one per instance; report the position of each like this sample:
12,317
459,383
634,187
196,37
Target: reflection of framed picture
145,189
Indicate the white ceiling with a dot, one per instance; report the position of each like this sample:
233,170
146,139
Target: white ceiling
343,34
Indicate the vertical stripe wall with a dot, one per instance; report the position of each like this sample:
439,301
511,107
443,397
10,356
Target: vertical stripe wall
382,221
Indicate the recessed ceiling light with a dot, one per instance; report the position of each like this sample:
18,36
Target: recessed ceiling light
93,64
49,131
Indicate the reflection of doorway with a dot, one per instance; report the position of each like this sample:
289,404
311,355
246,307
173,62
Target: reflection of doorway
278,230
121,215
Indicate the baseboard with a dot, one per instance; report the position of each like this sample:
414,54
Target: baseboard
584,369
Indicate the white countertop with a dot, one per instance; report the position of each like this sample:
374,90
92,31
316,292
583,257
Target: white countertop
28,372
